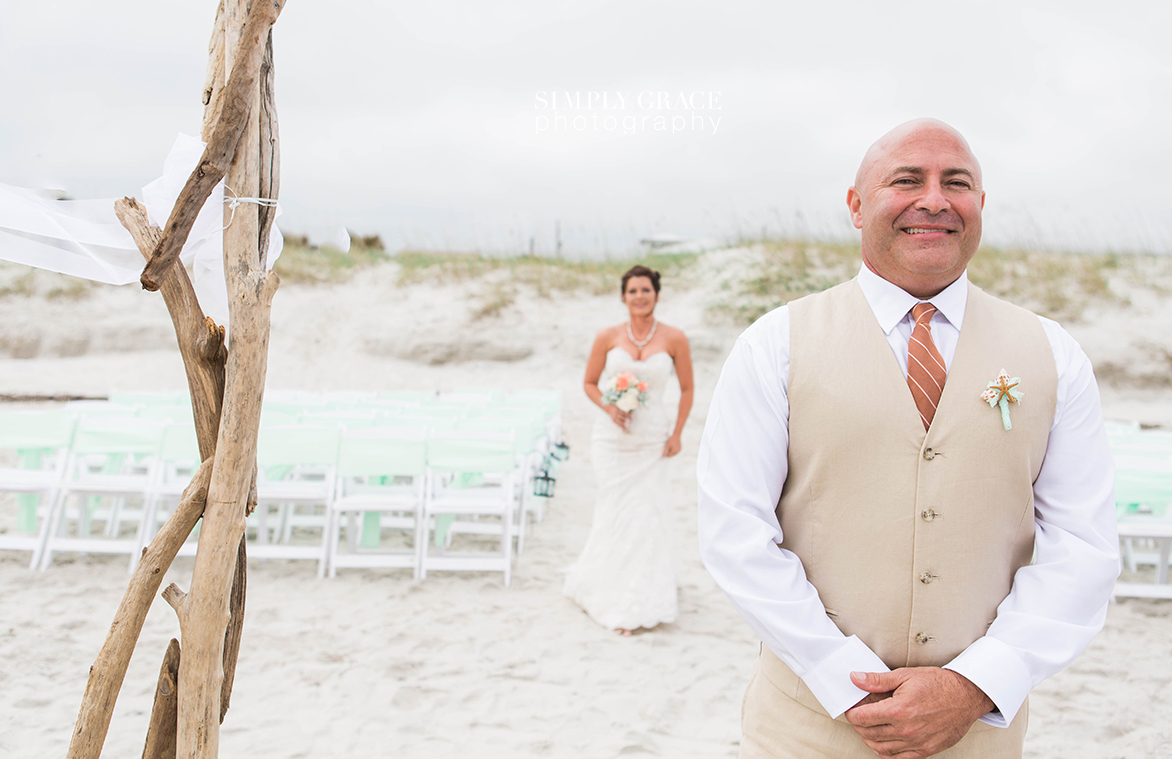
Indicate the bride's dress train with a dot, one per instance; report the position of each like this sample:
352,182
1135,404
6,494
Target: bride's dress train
624,577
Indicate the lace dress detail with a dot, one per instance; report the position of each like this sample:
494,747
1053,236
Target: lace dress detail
625,575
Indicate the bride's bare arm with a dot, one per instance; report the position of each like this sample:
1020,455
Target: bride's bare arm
594,367
682,355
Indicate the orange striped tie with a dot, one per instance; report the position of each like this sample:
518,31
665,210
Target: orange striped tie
925,367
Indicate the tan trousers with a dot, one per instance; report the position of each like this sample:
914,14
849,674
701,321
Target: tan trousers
781,719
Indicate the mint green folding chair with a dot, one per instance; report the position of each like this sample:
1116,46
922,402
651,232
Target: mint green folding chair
381,474
419,421
383,406
40,441
94,409
160,398
471,398
167,413
1120,429
344,418
445,410
348,398
549,401
412,396
270,417
134,445
471,490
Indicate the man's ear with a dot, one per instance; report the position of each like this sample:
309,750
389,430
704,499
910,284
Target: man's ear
854,201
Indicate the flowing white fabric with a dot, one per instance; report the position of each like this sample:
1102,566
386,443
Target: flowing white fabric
625,577
84,238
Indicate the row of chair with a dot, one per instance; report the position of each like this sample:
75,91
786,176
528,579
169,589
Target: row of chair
1143,504
425,481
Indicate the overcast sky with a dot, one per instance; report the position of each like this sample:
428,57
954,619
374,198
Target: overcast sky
423,122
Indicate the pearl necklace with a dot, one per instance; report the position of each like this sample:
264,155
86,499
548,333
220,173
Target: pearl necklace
640,343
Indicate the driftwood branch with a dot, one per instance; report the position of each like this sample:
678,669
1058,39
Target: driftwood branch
109,669
250,292
270,150
218,155
201,342
174,598
226,390
201,672
213,89
160,740
253,498
235,627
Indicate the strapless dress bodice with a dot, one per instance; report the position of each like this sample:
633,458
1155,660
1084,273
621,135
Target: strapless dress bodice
655,369
650,423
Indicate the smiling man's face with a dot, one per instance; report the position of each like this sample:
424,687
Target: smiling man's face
917,199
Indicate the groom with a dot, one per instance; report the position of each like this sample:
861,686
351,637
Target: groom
914,554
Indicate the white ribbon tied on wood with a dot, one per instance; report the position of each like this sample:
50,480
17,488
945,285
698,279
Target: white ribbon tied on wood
83,238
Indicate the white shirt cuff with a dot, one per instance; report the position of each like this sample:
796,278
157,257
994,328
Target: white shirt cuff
997,670
830,679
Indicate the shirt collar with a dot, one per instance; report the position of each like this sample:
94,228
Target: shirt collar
890,304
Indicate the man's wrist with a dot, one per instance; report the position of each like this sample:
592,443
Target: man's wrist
982,704
999,672
829,680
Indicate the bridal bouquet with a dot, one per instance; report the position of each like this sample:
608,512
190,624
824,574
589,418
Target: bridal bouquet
625,391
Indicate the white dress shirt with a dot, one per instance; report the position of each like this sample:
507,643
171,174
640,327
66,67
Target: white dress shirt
1057,604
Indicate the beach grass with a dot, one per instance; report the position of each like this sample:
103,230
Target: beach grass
1055,284
305,264
746,280
20,281
302,263
545,275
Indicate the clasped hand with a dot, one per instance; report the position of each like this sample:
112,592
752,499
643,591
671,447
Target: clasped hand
915,712
618,416
623,419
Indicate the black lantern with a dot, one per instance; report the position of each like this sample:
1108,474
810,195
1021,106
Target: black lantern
550,465
543,484
561,451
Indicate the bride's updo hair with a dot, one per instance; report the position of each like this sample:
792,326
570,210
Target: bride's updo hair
640,271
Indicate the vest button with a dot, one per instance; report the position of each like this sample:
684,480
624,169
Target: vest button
929,454
926,577
922,638
928,515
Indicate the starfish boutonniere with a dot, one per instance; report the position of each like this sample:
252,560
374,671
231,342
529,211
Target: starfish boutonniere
1002,392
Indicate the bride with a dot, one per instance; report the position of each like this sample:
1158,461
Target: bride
624,578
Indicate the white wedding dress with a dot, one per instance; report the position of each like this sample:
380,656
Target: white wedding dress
625,577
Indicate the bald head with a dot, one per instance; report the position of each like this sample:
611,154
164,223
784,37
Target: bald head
917,199
916,130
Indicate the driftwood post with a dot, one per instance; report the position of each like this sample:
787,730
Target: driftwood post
240,127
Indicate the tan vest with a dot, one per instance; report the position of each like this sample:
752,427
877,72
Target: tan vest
912,538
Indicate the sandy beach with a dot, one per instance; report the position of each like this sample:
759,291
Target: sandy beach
373,663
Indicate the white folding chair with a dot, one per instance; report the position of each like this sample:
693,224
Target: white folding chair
178,460
381,472
39,441
550,403
297,465
471,480
528,447
129,448
1143,503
